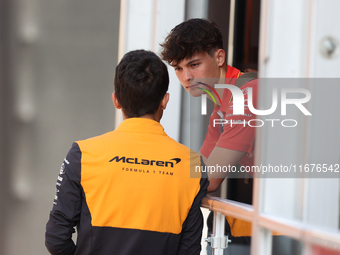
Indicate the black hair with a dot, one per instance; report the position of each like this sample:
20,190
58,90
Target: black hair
141,81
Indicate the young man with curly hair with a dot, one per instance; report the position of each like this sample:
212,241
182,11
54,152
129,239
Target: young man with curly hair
194,49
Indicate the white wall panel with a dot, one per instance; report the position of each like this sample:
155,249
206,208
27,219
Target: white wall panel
294,41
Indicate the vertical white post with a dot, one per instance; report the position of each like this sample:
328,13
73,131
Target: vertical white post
218,232
168,14
143,25
284,39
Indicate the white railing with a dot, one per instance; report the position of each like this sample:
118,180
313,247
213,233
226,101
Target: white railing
292,228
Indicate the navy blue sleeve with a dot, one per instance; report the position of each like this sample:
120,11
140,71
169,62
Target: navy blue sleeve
193,225
66,209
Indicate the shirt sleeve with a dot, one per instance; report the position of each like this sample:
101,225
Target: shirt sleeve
193,225
66,209
212,135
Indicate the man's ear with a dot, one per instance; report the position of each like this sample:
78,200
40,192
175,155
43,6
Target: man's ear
220,55
165,101
115,101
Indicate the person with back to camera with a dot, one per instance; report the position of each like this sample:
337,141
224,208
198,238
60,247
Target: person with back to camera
130,191
194,49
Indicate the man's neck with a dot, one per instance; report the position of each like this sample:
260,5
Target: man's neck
156,117
223,73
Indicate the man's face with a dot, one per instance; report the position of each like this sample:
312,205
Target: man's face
191,70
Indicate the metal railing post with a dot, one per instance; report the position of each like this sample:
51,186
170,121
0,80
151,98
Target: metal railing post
218,241
218,231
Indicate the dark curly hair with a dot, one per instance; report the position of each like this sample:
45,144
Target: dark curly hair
141,81
191,37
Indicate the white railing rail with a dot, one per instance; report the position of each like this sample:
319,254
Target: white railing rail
313,235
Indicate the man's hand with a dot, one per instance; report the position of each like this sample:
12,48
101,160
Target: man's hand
214,184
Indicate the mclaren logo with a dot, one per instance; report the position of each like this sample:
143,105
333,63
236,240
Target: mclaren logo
146,162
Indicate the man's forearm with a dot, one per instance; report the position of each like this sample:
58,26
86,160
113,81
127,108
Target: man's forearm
221,158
